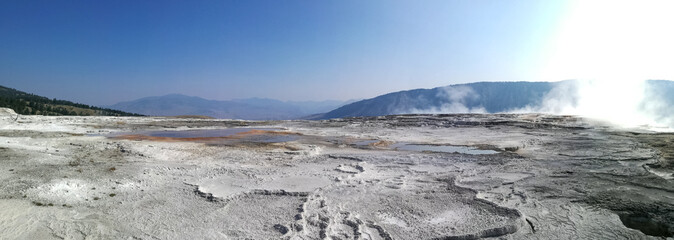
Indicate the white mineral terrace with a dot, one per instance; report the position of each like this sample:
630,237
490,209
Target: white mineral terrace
397,177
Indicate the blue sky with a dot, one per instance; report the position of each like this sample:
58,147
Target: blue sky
102,52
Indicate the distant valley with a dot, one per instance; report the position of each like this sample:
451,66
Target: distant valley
482,97
248,109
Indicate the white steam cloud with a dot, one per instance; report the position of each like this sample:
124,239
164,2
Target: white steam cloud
625,103
458,97
629,104
617,44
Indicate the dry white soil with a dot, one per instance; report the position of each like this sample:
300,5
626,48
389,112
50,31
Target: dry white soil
545,177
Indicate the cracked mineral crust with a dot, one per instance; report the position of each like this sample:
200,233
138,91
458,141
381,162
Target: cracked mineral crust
458,176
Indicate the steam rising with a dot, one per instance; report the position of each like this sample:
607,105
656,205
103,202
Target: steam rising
612,47
624,103
642,104
617,45
457,97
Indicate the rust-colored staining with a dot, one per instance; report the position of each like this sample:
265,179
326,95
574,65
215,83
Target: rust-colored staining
137,137
381,143
263,132
252,132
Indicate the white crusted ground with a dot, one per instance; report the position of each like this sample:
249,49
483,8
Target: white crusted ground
553,177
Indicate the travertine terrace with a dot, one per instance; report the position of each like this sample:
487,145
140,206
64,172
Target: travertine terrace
520,177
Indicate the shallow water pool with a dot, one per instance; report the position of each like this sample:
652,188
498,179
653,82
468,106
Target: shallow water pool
203,133
440,148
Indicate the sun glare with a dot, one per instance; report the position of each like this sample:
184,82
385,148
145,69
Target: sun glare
614,40
612,47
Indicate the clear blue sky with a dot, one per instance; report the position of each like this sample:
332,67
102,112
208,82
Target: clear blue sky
102,52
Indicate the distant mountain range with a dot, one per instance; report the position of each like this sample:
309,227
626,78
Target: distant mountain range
248,109
480,97
488,97
31,104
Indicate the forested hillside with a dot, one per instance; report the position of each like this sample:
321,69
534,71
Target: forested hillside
31,104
